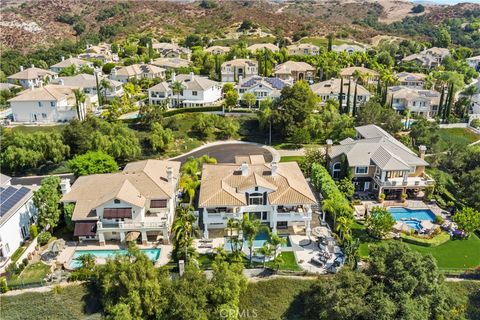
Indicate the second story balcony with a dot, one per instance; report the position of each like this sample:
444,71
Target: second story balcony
422,180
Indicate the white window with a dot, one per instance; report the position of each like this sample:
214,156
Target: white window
361,170
255,199
375,187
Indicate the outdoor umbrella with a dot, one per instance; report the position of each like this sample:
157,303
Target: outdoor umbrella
132,236
57,246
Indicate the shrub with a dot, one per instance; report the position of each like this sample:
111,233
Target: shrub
475,123
17,254
3,285
439,220
33,230
43,238
25,262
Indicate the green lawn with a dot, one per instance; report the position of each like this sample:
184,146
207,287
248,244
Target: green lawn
274,299
72,302
32,273
457,136
453,254
289,262
31,129
292,158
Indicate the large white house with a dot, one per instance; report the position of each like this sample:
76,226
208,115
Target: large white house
420,102
277,194
17,213
102,51
196,91
46,104
474,62
65,63
88,83
233,70
411,80
261,87
140,200
261,46
137,71
331,89
31,77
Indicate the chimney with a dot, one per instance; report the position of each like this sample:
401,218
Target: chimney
63,58
244,169
274,166
422,150
169,174
21,68
174,78
151,61
248,57
192,76
329,146
33,66
65,186
240,79
61,82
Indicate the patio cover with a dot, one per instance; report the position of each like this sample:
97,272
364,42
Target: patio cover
85,229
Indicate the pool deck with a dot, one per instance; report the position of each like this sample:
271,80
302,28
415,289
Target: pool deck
66,254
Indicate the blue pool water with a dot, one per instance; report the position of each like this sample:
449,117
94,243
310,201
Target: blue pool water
414,224
405,213
259,241
152,254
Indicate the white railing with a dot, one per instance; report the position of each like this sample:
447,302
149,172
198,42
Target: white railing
133,225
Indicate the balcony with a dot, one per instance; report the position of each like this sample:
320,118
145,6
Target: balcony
423,180
293,213
131,225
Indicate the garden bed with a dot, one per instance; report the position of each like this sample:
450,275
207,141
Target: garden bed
426,242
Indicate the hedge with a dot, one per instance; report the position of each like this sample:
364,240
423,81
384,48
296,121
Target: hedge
173,112
17,254
426,242
324,183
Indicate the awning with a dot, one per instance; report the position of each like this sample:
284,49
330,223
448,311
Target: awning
115,213
83,229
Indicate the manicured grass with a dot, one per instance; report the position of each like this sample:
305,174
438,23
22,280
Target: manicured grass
32,273
17,253
427,242
32,129
274,299
289,263
455,254
72,302
457,136
292,158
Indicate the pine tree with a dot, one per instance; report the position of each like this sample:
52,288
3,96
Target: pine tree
347,109
440,105
355,100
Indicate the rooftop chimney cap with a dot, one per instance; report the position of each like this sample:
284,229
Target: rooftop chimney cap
33,66
329,142
274,167
21,68
63,58
422,148
192,76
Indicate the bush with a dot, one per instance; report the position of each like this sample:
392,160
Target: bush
33,230
437,240
25,262
439,220
475,123
43,238
3,285
173,112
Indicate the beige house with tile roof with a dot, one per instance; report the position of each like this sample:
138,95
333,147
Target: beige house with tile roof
411,80
46,104
420,102
303,49
275,193
331,89
260,46
347,73
72,61
171,63
31,77
137,71
171,50
379,163
235,70
141,198
217,50
294,71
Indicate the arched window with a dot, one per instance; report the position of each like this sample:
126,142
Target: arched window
337,169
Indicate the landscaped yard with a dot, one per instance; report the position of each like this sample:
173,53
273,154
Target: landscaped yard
453,254
32,273
292,158
456,136
288,257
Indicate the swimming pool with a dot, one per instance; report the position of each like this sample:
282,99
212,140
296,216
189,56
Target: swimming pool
152,254
399,213
417,225
259,241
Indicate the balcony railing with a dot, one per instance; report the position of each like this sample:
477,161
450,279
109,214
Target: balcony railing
420,181
132,225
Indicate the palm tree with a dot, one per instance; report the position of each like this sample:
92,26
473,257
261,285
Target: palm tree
344,226
177,89
183,229
236,242
250,229
266,251
189,184
105,85
276,241
79,101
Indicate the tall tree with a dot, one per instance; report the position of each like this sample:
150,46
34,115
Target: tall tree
46,199
340,97
354,110
80,98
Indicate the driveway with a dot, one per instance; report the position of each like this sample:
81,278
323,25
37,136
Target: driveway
225,152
